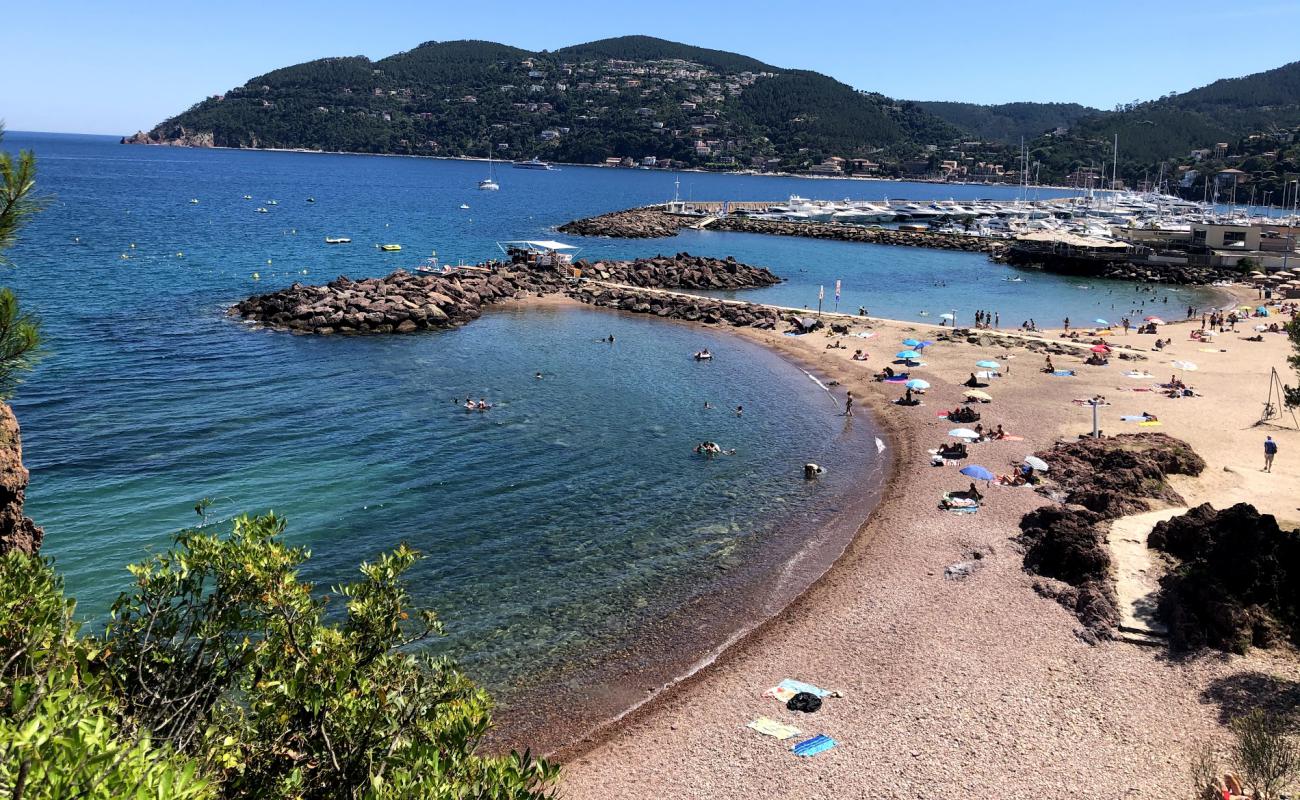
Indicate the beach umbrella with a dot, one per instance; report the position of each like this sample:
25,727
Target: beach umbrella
1257,274
1101,321
976,394
917,383
1262,311
907,355
912,342
988,364
963,433
946,316
1185,365
1099,348
926,343
1155,320
977,472
1037,463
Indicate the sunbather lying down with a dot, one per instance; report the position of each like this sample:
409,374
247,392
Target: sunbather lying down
954,450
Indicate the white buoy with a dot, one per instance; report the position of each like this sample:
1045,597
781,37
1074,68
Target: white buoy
256,277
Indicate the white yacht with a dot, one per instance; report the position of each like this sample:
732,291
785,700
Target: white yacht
489,183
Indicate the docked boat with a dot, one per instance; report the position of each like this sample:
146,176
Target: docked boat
389,247
337,240
532,163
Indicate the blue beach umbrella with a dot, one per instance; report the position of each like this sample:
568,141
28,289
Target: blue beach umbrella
977,472
917,383
987,364
926,343
907,355
912,342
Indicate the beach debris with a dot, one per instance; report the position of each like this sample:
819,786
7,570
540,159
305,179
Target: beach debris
807,702
811,747
960,570
771,727
880,445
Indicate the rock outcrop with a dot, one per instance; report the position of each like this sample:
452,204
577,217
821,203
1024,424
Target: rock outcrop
1238,585
1096,480
650,222
178,136
405,303
17,532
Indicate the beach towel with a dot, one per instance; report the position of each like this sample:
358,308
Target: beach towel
811,747
1010,438
1064,373
800,686
897,378
1213,350
1151,424
865,334
770,727
1133,418
782,695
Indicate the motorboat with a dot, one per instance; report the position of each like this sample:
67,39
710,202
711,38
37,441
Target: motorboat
389,247
262,210
337,240
532,163
464,206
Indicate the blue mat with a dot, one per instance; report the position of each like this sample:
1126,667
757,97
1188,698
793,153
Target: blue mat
811,747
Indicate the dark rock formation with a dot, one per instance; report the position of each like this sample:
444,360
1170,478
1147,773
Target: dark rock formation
177,136
1239,582
17,532
1117,475
405,303
1099,480
634,223
1067,545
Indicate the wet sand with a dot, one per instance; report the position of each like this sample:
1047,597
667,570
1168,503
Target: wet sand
974,687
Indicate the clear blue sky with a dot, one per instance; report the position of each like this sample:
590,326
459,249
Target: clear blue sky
97,66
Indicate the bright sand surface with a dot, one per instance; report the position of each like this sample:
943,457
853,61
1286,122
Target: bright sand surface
976,687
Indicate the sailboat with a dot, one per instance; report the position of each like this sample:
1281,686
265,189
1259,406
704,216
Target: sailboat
489,183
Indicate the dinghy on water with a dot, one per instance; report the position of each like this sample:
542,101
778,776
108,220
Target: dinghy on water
389,247
337,240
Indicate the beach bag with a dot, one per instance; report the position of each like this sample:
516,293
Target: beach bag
806,702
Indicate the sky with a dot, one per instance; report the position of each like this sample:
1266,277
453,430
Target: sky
93,66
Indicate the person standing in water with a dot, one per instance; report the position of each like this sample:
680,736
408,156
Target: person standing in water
848,404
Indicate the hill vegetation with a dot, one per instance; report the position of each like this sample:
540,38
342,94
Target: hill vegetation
1007,122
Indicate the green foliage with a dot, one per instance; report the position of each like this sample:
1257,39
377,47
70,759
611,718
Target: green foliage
60,732
1293,333
1007,122
1266,752
20,333
221,674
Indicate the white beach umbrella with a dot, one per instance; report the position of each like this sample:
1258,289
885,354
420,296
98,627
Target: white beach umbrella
963,433
1185,365
1037,463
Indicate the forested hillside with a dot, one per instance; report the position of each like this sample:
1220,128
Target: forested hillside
636,97
1007,122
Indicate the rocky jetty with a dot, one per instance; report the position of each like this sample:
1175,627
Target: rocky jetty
1096,480
859,233
650,222
17,531
404,302
681,271
1238,584
675,306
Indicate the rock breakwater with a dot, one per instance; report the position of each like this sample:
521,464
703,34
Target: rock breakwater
404,302
675,306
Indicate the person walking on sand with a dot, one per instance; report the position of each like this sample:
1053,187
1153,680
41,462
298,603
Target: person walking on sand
848,404
1270,450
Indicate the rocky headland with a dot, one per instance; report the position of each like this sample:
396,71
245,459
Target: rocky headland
17,531
405,302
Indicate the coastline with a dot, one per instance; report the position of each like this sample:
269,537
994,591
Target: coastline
918,655
687,170
667,654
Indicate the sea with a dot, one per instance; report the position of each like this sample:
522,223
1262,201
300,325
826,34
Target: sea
556,527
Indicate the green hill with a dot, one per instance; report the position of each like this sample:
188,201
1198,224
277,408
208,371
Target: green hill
632,96
1007,122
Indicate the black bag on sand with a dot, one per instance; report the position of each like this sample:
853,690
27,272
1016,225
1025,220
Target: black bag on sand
806,702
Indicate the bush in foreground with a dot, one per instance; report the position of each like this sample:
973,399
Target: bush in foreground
222,675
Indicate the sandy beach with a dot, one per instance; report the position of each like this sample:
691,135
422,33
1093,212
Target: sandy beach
973,687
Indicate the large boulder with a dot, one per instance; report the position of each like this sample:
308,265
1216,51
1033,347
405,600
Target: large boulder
17,531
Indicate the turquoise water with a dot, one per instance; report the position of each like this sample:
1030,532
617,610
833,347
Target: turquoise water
557,523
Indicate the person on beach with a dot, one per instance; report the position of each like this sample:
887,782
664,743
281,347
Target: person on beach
848,404
1049,366
1067,324
1270,450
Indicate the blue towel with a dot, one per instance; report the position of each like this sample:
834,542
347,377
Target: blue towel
1063,373
800,686
811,747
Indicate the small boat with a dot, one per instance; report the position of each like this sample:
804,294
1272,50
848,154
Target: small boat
488,185
1014,280
194,202
311,199
532,163
703,355
262,210
337,240
248,197
273,202
464,206
389,247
